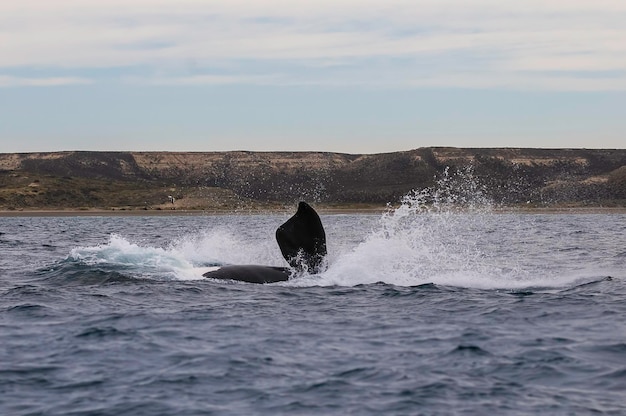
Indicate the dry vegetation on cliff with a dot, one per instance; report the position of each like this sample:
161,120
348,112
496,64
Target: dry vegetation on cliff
253,180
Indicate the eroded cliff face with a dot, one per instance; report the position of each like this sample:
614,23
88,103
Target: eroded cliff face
226,180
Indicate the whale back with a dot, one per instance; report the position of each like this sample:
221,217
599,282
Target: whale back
302,240
250,273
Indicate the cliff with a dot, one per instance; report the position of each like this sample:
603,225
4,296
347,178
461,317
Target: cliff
231,180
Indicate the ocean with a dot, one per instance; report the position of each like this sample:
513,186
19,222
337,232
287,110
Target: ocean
426,309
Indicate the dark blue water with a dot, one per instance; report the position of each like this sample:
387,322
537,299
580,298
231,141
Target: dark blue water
419,313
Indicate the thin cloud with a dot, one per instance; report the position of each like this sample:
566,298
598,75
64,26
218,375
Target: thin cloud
531,44
207,79
11,81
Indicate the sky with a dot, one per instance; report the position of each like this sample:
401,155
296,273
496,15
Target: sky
352,76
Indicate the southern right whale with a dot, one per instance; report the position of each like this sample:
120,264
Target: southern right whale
302,242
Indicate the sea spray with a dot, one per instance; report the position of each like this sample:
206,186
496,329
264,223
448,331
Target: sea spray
429,237
185,258
121,255
442,235
222,246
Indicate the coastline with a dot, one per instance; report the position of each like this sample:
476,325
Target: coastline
241,181
268,211
95,212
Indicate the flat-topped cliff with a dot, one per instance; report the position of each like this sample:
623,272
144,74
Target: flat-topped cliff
230,180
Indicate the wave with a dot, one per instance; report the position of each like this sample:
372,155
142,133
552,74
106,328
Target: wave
121,260
187,258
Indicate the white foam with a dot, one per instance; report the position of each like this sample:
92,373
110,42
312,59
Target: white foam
225,246
187,258
119,253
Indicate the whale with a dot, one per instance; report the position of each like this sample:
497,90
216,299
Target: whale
302,242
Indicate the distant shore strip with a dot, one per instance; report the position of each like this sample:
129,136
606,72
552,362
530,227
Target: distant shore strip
322,210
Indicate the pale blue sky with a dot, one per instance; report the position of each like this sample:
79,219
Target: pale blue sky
356,76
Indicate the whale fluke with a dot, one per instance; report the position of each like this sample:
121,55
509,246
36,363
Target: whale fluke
302,242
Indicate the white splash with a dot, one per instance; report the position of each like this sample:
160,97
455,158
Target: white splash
187,258
149,262
447,235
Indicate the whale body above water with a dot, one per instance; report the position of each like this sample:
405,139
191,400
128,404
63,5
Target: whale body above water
302,242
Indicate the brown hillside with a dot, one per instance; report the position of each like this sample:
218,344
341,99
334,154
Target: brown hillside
227,180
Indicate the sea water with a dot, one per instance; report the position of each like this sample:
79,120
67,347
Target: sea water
426,309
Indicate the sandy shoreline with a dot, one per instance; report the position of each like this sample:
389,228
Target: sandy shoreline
177,212
321,209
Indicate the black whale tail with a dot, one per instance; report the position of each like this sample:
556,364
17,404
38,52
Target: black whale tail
302,240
